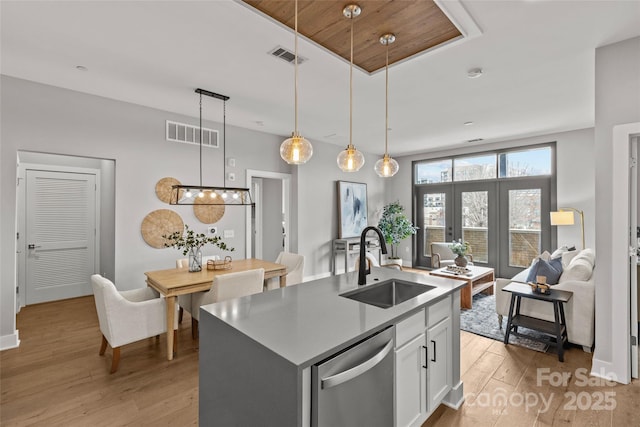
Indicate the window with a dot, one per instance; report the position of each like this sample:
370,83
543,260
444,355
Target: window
474,168
532,162
432,172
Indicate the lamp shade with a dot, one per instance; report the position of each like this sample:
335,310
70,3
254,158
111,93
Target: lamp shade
296,150
350,159
386,167
562,218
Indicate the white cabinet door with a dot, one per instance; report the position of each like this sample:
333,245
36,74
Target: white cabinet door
439,349
411,380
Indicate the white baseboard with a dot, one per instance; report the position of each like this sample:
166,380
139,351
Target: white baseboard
316,277
9,341
606,370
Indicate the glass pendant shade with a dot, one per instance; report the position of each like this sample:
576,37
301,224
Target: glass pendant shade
296,150
350,160
386,167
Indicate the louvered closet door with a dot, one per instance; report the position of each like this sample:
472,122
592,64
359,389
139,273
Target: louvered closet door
61,222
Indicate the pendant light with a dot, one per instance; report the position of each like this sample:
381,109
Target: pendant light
386,167
351,160
296,150
207,195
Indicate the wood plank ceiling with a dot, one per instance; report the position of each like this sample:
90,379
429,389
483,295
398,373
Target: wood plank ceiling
418,25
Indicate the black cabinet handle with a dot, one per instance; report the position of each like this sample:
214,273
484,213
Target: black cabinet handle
426,357
434,351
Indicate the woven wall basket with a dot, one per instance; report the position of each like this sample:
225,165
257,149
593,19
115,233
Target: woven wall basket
163,188
208,214
159,223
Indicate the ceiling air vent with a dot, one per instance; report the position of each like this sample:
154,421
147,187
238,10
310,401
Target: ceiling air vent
188,134
286,55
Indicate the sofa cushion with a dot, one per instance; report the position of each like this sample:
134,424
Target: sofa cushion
551,269
580,268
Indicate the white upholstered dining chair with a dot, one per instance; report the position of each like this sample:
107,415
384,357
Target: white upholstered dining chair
295,268
127,316
184,301
226,286
373,262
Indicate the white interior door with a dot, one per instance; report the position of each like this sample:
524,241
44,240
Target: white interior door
633,258
60,235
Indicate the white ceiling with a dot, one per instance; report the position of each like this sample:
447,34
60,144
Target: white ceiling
538,59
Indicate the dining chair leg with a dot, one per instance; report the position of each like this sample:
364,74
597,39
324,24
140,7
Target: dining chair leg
180,314
116,359
194,328
103,347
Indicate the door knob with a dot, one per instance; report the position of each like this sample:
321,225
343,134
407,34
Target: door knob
33,246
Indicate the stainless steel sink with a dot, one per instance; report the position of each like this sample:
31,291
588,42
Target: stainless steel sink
388,293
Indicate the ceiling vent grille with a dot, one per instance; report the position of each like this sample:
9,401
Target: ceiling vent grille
286,55
188,134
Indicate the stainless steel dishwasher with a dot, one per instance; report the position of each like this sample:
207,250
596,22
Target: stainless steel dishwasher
355,387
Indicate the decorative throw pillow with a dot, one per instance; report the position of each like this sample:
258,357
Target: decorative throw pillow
580,268
551,269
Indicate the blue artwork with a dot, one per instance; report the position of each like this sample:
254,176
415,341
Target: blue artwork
352,207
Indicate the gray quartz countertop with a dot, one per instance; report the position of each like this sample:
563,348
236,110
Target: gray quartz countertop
308,322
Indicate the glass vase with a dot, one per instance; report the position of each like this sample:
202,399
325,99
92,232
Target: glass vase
195,259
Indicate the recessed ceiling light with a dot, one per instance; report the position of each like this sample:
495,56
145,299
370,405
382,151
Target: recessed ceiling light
468,123
474,73
81,68
259,122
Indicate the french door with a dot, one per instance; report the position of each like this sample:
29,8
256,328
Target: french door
505,222
466,211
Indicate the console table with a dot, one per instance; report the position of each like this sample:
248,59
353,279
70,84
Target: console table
556,330
347,247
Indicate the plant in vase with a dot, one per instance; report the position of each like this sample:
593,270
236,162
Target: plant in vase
191,244
395,226
461,249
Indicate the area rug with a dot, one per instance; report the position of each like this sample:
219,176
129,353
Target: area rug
483,320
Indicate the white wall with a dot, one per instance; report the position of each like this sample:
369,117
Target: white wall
317,195
617,102
575,179
47,119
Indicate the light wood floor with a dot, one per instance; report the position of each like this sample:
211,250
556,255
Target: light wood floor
56,378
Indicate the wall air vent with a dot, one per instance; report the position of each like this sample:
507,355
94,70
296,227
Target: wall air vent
286,55
188,134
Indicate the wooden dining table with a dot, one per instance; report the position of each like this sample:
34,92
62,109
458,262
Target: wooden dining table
179,281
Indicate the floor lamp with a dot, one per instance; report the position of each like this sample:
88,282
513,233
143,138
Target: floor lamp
564,216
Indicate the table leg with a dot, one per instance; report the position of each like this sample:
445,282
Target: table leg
466,297
559,338
508,329
283,281
171,313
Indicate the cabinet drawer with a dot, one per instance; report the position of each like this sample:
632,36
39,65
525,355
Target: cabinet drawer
439,311
410,328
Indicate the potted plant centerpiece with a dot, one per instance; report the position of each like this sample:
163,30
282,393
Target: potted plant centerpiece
395,226
191,244
460,248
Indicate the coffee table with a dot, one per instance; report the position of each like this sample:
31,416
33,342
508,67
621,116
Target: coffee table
479,279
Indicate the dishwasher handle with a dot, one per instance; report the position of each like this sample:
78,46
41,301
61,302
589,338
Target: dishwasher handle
349,374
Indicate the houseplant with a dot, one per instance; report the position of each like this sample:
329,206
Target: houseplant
191,244
395,226
460,248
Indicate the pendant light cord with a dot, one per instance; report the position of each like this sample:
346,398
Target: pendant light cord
200,139
351,88
386,104
295,67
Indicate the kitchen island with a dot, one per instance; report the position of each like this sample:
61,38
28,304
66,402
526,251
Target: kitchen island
257,353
